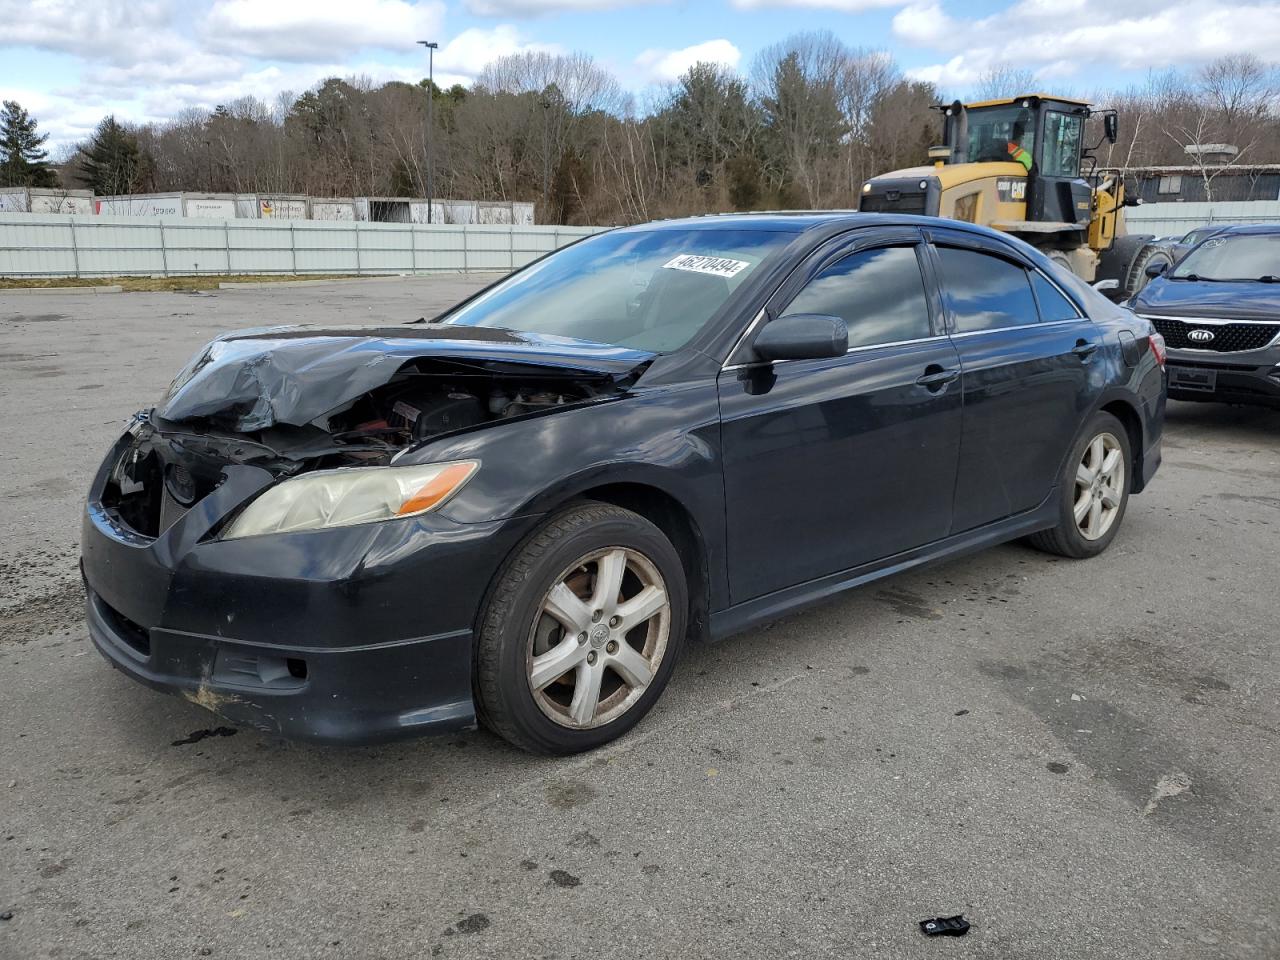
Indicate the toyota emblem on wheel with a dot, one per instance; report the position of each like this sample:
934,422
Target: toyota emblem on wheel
1201,336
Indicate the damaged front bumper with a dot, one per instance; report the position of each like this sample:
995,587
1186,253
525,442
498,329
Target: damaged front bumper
344,635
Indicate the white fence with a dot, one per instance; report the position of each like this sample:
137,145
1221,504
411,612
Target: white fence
78,246
1173,219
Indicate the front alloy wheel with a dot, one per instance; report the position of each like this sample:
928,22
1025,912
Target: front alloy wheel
599,637
580,631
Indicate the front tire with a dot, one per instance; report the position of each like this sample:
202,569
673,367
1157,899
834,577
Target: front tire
1093,492
581,631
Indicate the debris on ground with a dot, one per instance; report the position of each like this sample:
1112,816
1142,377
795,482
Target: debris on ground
956,926
195,736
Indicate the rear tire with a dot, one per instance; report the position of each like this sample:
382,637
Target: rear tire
581,631
1093,492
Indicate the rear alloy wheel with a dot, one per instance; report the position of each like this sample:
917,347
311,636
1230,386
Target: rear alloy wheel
1093,492
1100,486
581,630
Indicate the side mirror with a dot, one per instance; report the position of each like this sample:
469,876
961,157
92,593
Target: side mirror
1111,127
803,336
1156,269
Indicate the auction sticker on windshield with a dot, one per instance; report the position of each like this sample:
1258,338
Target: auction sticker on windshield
716,266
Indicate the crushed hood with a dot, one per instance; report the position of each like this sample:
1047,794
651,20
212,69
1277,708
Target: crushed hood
255,379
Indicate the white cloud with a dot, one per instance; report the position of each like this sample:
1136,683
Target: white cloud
463,57
538,8
313,30
843,6
115,30
664,66
188,65
1059,39
65,119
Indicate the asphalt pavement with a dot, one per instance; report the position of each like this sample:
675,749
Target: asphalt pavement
1079,756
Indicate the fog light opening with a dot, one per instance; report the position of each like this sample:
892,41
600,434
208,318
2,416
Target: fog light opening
297,668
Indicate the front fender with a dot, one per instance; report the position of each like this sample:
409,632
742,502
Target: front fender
667,438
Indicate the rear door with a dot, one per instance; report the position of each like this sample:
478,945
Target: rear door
832,463
1026,356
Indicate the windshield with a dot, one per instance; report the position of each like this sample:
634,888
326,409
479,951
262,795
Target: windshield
1240,257
1198,234
651,290
992,129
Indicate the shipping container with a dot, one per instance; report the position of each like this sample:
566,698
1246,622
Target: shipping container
453,211
496,212
44,200
522,213
217,206
386,209
332,208
141,205
271,206
214,206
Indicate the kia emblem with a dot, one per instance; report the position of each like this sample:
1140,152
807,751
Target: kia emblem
1200,336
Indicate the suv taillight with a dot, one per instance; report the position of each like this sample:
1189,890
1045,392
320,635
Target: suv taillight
1157,347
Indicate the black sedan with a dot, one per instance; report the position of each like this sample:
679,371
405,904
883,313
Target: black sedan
1219,312
520,511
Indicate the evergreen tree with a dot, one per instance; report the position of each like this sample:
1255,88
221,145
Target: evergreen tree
111,163
22,157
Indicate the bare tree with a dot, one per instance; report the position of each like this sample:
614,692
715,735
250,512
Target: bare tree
1003,80
1220,116
812,121
866,79
798,82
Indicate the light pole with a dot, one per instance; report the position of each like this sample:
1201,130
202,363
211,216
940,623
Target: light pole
431,46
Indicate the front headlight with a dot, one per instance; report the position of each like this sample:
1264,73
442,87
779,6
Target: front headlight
339,498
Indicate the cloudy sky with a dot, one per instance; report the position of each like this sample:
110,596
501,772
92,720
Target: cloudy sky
70,62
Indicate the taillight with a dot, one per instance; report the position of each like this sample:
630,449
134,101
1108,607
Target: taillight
1157,347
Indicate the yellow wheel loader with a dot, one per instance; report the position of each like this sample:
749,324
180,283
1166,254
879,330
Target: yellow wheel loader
1020,166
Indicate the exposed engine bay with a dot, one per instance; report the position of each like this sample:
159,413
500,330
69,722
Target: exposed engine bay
420,404
296,400
170,465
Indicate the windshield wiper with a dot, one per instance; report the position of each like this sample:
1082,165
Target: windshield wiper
1265,278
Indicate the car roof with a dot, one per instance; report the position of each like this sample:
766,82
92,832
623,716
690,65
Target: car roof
804,221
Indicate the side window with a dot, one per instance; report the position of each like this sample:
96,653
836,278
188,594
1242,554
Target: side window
985,292
1062,145
878,293
1053,305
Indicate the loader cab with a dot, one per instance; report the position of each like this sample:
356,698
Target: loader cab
1049,129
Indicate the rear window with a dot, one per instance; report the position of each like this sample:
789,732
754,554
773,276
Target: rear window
1053,305
986,292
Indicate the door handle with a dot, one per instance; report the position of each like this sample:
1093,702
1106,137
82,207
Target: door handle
1084,349
935,377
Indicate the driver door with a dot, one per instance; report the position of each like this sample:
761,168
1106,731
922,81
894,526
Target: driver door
834,463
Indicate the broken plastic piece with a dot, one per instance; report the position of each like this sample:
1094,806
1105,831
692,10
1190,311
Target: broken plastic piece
956,926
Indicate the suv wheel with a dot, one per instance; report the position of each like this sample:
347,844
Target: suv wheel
581,631
1093,492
